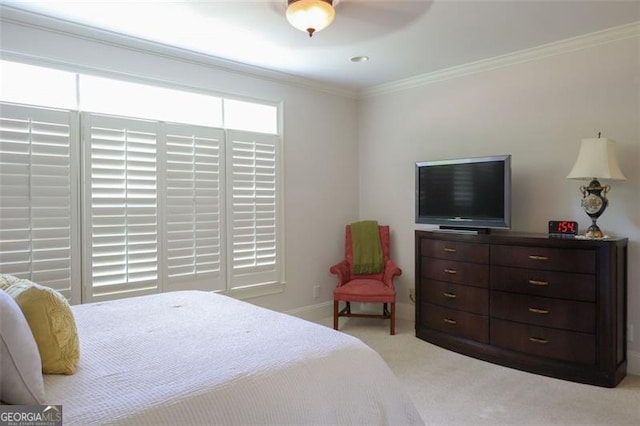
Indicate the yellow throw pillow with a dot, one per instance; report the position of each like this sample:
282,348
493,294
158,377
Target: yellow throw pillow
51,321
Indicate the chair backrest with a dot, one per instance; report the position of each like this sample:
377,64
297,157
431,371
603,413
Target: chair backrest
384,241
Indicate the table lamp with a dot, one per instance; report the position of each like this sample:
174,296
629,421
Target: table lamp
596,160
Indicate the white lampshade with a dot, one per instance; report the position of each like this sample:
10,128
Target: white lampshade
597,159
310,15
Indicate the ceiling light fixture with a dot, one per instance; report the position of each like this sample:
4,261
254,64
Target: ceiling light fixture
310,15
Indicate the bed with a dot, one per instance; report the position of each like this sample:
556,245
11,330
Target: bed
195,357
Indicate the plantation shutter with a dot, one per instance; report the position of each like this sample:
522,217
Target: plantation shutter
252,208
121,228
193,206
38,197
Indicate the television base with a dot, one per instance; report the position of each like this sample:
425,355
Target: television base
468,231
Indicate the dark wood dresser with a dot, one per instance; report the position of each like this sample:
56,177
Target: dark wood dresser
551,306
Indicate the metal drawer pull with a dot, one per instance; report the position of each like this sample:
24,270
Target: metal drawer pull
451,271
538,311
450,321
534,257
536,282
449,295
538,340
449,250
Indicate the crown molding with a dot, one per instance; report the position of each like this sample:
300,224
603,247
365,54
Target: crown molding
536,53
66,28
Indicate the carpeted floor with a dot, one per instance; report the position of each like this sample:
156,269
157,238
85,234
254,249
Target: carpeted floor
449,388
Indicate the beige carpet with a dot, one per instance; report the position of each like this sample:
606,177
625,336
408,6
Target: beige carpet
449,388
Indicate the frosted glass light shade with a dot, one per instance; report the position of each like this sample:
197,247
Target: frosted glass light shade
310,15
597,159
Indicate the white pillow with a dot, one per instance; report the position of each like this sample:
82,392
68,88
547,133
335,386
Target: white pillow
21,381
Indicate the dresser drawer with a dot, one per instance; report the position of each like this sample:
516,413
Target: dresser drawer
459,323
551,259
473,274
542,311
461,297
564,285
545,342
453,250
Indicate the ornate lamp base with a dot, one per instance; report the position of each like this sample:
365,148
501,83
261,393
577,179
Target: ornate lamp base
594,204
594,231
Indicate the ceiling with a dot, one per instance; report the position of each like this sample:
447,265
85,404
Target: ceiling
403,39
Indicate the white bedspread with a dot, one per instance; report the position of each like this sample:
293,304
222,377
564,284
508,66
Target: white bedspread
201,358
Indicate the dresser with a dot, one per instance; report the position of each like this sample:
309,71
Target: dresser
551,306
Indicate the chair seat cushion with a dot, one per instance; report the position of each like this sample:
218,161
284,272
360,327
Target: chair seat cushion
365,290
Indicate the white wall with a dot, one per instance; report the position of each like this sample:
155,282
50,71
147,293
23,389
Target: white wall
320,141
536,111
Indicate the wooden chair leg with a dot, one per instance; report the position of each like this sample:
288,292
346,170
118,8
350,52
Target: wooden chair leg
336,305
393,318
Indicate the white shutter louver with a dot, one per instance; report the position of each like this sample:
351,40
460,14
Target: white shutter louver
38,197
252,208
121,206
193,203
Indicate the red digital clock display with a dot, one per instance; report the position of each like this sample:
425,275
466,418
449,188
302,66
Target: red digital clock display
563,227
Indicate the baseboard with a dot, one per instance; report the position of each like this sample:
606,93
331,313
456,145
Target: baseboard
406,311
633,363
313,313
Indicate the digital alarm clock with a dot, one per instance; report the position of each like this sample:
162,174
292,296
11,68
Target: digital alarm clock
563,228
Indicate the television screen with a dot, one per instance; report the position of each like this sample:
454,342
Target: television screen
466,192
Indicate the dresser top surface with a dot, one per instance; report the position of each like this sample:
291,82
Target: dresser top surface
529,238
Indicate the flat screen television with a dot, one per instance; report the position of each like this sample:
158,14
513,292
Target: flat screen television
471,194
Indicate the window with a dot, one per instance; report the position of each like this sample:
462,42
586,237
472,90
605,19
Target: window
105,95
253,208
120,206
170,200
38,197
250,116
194,199
28,84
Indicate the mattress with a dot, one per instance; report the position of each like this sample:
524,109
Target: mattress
201,358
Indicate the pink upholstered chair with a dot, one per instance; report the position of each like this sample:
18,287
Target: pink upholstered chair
365,288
